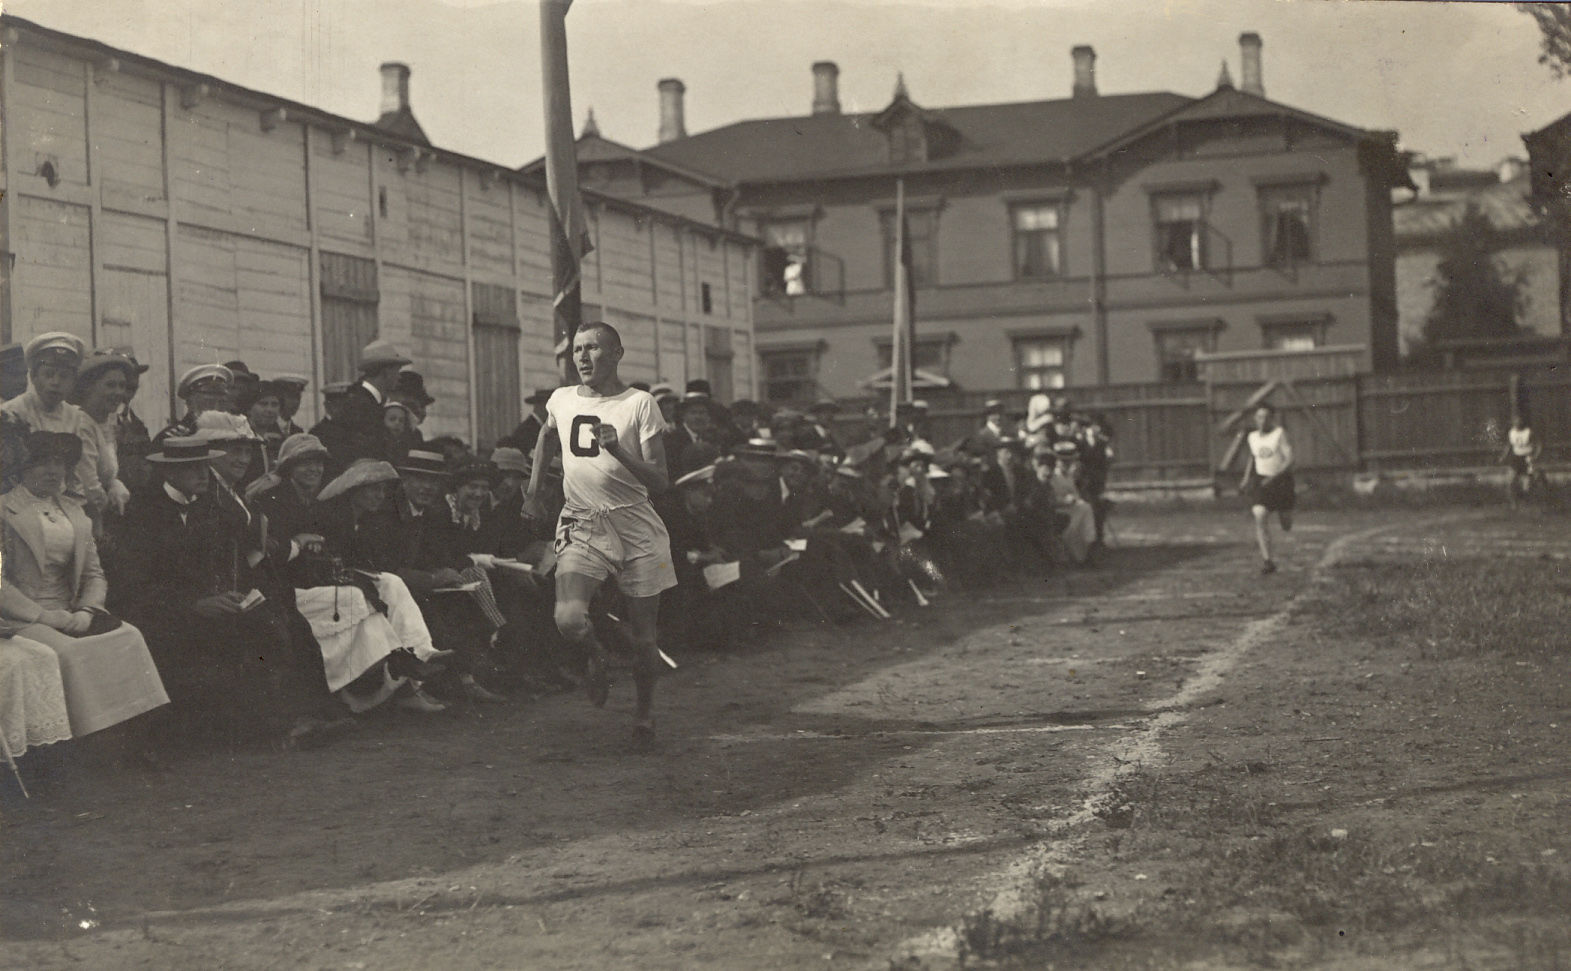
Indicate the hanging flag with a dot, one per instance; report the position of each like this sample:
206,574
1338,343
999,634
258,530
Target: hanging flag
902,346
569,228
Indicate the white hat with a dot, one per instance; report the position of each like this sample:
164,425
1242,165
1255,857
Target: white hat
360,472
221,426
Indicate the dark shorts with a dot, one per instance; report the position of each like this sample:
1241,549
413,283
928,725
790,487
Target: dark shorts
1519,464
1276,496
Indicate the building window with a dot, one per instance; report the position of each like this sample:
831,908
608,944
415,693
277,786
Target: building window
931,355
1287,224
1304,334
498,382
706,298
1180,231
1041,362
922,225
1176,348
788,243
790,376
1038,242
717,361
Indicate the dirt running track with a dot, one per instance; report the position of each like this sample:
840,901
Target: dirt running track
834,799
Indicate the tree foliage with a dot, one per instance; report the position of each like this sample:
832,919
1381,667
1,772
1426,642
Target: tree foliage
1476,297
1554,23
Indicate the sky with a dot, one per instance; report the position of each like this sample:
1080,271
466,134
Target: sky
1458,78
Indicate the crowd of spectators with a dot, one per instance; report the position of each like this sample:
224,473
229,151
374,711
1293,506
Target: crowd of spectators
236,575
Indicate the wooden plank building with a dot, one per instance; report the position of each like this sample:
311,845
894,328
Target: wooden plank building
199,221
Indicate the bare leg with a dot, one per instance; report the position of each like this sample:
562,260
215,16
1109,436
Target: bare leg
642,613
1262,531
574,591
1286,516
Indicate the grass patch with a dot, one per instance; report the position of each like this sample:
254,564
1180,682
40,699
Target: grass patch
1444,607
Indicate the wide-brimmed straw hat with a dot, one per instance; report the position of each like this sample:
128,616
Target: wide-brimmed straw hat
756,448
703,476
424,463
221,426
361,472
180,449
508,459
298,448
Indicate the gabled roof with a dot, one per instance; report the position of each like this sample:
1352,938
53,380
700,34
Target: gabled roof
818,146
594,147
1226,102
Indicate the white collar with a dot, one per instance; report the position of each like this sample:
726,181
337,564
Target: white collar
376,392
179,497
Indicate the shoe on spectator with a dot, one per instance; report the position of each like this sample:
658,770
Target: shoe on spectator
418,700
403,663
474,692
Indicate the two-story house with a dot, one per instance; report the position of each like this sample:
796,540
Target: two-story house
1093,239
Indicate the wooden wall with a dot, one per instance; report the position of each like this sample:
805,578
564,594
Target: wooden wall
191,224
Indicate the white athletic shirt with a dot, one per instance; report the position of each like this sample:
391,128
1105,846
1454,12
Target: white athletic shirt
1521,440
1271,451
592,479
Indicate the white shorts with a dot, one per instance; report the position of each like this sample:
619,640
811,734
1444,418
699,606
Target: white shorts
630,544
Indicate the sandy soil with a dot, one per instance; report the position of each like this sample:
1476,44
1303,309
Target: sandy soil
828,798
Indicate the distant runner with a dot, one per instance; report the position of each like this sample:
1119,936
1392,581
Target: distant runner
1268,482
613,460
1521,453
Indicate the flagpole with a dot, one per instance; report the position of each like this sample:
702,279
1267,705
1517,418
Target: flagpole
561,175
900,354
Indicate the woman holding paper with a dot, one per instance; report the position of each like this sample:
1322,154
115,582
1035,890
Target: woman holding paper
54,590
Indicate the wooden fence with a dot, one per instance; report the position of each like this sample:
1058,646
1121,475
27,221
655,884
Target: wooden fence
1175,435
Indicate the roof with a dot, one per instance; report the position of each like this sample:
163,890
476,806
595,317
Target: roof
594,147
402,124
299,113
1504,204
814,146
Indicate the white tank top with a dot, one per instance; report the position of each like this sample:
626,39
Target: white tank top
1271,452
1521,440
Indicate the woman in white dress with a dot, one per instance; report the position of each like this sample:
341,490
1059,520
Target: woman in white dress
372,634
32,696
54,592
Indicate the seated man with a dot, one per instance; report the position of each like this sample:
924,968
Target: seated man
692,611
1053,514
225,655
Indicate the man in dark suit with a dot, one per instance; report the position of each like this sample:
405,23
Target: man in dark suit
524,436
361,409
226,655
984,442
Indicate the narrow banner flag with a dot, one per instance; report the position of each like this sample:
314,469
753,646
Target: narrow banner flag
569,228
902,347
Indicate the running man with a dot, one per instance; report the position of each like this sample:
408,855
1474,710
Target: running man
1521,453
613,461
1268,482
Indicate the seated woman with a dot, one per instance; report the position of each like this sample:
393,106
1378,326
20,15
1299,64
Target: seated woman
32,696
54,591
1055,510
371,633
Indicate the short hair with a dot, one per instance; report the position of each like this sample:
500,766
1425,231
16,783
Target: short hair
601,326
1266,405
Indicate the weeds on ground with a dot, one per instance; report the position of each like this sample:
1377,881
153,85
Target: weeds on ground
1450,607
1056,922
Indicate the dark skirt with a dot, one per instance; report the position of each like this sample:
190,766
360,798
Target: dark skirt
1275,496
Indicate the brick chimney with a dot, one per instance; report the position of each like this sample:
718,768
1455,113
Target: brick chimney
826,88
673,123
395,87
1085,71
1251,81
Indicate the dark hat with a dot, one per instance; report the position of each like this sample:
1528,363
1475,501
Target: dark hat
125,351
274,388
475,469
237,368
700,386
63,447
411,384
540,397
184,448
993,406
427,463
756,448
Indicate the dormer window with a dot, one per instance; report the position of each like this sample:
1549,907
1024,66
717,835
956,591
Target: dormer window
907,140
